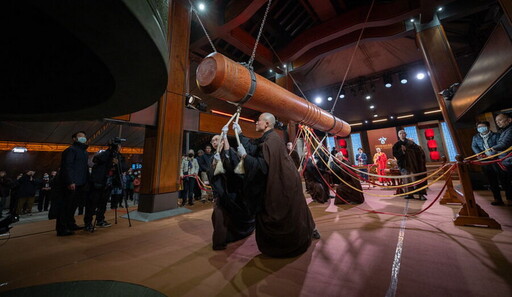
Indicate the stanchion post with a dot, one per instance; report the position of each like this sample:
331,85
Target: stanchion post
471,214
451,195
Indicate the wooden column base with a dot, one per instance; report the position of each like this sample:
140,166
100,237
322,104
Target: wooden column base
482,218
157,202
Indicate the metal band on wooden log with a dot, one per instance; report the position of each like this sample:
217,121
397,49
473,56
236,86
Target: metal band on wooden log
227,80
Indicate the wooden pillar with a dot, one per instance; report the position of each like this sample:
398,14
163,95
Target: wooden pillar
506,5
444,71
163,143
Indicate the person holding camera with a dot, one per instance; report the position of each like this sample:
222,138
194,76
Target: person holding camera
105,176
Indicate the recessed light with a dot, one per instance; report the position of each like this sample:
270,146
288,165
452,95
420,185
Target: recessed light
372,106
368,97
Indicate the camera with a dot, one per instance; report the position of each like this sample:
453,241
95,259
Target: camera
115,142
6,222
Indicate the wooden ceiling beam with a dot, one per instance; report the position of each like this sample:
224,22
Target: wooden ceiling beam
383,14
349,40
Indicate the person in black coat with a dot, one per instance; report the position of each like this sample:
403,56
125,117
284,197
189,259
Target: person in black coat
5,188
106,175
72,182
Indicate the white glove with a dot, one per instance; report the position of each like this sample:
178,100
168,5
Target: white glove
241,151
237,128
225,129
217,156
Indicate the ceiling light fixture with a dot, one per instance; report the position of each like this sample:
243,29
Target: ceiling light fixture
432,111
368,97
440,9
271,70
329,98
420,75
405,116
318,100
366,122
375,115
19,149
411,20
380,120
388,80
356,124
402,76
391,117
201,6
372,106
342,95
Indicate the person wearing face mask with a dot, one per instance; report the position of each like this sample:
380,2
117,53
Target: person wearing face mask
483,140
71,183
189,166
44,194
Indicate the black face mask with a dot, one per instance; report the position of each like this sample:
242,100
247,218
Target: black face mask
190,155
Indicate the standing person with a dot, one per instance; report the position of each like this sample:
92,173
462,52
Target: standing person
27,187
72,181
411,159
136,189
189,167
504,122
362,161
44,194
381,160
204,164
232,216
293,154
284,224
482,141
5,189
105,176
130,177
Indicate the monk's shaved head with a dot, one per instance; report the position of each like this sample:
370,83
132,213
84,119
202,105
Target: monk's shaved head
270,118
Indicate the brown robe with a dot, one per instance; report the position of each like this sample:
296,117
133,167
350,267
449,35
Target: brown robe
284,224
296,159
344,191
315,185
413,160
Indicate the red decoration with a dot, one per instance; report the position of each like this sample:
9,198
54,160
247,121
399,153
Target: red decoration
432,144
342,143
435,156
429,133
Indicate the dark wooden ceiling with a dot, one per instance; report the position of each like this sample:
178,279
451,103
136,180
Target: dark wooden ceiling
317,38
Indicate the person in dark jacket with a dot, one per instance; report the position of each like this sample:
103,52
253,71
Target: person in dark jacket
72,182
5,188
504,122
204,163
27,187
482,141
106,175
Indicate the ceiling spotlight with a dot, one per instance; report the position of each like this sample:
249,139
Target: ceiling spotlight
318,100
329,98
391,117
201,6
342,94
194,102
271,70
402,77
372,106
440,9
19,149
284,65
420,75
388,80
375,115
411,20
368,97
366,122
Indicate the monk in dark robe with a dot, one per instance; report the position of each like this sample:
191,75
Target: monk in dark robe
232,219
284,224
350,195
315,185
411,159
293,154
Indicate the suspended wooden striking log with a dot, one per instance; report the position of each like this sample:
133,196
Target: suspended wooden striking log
227,80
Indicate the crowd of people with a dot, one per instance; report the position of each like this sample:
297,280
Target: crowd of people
74,187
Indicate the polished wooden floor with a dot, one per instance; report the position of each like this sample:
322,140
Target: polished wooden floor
359,254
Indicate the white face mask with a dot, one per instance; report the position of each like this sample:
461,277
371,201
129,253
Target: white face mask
82,139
